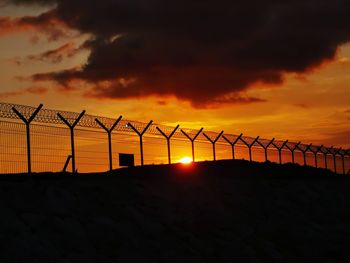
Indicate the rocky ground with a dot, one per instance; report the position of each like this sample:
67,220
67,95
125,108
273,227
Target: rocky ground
228,211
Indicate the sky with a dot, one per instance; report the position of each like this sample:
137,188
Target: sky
270,68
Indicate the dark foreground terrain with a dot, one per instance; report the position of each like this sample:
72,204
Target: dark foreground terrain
228,211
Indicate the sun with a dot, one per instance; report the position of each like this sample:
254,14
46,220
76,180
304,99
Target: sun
185,160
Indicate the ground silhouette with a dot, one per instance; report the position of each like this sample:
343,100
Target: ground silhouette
224,211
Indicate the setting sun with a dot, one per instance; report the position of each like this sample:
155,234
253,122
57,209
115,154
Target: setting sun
185,160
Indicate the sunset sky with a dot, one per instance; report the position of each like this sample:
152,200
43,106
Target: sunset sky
270,68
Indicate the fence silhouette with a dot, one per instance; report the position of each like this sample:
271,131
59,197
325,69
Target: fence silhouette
44,140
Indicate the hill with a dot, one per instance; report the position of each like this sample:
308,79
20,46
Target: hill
224,211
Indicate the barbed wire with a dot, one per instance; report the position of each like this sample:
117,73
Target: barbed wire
49,116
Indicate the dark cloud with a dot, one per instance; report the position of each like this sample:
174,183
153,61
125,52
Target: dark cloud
56,55
233,98
200,51
30,2
45,23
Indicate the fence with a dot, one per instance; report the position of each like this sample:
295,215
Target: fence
43,140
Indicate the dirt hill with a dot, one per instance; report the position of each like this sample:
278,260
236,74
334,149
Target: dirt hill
225,211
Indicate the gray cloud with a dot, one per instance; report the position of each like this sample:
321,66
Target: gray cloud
200,51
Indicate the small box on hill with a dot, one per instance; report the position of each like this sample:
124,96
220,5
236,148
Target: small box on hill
126,159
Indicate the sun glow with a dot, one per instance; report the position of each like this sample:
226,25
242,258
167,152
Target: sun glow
185,160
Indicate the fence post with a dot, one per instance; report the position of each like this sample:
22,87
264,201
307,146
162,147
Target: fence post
280,149
213,142
342,153
315,154
295,147
233,143
192,140
335,158
71,128
265,147
140,134
329,150
109,134
168,140
348,154
325,152
304,151
27,123
250,146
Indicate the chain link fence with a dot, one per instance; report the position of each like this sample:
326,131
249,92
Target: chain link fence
39,140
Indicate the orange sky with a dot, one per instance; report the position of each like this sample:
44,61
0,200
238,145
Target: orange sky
311,107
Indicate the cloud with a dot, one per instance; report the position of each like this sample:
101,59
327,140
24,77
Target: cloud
233,98
46,23
9,25
199,51
56,55
31,90
31,2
